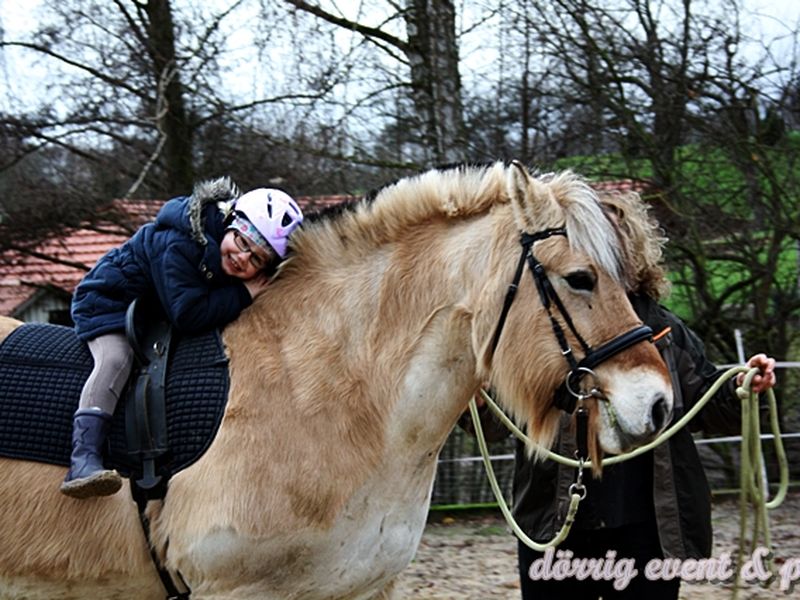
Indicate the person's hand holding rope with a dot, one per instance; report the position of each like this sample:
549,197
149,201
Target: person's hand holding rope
765,379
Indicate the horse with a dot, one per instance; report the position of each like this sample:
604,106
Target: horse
346,377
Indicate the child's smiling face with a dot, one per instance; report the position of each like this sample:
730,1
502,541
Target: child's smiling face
241,258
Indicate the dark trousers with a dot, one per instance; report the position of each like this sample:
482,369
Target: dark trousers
638,542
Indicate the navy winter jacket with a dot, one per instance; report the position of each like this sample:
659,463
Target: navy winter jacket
176,259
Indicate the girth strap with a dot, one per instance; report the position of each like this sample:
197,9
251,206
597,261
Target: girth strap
173,589
146,424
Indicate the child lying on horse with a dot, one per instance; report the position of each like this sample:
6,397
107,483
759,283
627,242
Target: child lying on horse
204,258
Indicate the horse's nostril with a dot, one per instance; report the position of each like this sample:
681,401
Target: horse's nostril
660,412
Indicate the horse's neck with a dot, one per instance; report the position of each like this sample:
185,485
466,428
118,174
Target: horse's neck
435,384
416,345
345,381
386,337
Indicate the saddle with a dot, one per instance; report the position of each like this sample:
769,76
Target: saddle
173,402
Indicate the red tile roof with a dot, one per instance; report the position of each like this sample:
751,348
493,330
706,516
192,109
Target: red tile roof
59,263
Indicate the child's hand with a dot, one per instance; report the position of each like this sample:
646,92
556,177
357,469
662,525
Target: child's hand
257,284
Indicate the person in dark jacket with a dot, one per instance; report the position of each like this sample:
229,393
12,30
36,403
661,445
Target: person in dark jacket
657,505
203,259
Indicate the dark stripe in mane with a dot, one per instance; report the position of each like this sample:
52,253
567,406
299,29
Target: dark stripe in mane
331,212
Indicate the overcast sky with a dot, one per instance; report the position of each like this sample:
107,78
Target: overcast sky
778,15
774,18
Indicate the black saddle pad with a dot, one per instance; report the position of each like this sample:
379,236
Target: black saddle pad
42,372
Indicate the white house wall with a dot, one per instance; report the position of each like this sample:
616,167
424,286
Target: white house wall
38,310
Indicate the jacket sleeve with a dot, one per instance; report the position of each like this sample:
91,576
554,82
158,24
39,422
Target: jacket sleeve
192,304
696,374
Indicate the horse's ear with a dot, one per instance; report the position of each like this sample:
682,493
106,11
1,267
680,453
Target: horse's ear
519,181
519,186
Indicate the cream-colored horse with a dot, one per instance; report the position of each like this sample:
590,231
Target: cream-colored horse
346,378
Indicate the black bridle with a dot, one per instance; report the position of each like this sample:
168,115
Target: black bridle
569,394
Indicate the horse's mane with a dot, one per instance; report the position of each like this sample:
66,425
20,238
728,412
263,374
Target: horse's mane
460,191
643,242
392,211
588,227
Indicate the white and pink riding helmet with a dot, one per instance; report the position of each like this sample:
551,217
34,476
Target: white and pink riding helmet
273,213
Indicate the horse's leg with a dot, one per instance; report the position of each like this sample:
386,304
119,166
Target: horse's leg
387,593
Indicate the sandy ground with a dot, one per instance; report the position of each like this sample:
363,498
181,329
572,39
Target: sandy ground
475,558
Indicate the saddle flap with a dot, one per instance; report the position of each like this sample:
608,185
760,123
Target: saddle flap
145,405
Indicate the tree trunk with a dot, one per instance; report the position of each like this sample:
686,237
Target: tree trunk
435,79
171,115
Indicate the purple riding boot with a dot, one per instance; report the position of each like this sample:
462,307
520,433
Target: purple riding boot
87,477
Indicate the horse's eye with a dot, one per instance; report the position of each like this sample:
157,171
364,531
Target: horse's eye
580,280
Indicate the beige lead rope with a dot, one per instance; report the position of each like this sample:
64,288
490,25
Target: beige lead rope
752,491
576,493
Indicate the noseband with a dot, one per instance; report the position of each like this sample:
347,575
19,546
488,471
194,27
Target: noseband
568,396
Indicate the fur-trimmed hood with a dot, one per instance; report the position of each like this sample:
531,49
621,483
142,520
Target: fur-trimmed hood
176,258
221,191
189,214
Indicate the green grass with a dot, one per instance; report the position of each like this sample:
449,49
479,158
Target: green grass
723,274
705,168
709,175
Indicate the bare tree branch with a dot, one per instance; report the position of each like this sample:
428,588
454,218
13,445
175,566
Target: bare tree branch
73,63
371,33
